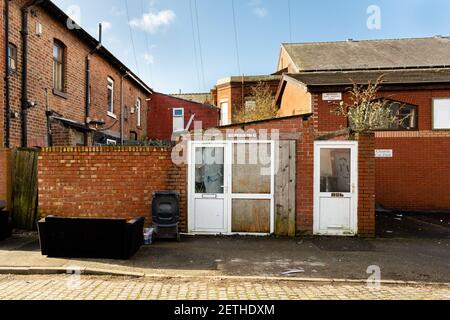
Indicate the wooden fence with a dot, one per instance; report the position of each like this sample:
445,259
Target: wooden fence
24,188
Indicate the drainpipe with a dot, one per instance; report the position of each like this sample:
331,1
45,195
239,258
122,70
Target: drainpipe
25,104
122,106
48,113
7,81
88,78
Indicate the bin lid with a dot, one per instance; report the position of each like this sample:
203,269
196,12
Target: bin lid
166,193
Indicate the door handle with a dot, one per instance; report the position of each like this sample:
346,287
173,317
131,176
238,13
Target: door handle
353,188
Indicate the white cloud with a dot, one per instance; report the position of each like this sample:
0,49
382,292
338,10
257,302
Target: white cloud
258,9
149,58
106,25
152,22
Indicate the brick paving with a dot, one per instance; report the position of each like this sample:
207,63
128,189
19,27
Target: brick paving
65,287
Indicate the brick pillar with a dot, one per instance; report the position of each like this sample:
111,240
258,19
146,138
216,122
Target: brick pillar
366,172
5,175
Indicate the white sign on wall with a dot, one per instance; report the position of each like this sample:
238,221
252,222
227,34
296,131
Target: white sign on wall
332,96
384,153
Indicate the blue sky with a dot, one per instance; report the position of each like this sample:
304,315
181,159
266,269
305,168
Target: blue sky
167,47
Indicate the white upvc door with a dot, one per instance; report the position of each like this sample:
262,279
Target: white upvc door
336,188
208,188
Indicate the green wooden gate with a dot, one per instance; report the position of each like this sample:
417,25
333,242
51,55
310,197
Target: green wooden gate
24,188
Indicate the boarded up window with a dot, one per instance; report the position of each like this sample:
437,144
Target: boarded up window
251,216
251,168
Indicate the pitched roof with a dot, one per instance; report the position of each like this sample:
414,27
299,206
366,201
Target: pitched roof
410,76
82,34
370,54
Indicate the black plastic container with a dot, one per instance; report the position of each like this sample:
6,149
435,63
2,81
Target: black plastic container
166,214
5,222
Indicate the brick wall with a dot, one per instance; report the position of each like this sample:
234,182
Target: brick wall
160,112
366,185
2,78
107,181
5,174
40,77
417,178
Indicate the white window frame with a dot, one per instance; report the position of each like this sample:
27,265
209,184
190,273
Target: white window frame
223,121
174,116
434,115
111,108
110,142
138,112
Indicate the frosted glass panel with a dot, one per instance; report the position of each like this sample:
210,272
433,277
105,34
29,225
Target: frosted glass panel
335,170
209,170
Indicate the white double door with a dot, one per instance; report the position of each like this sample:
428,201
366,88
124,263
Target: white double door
336,188
212,200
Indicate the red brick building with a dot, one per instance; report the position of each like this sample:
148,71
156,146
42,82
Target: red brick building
412,164
168,115
63,87
233,93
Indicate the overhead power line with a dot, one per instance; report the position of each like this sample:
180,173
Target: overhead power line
194,42
148,48
131,36
236,42
290,20
200,46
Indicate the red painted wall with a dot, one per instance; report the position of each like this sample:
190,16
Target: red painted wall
160,112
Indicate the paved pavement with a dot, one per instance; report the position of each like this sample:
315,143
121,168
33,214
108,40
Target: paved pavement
424,260
69,287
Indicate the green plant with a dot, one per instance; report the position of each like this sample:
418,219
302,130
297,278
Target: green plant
367,112
262,108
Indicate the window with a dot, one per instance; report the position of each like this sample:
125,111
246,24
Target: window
138,112
406,115
250,104
12,57
110,142
133,136
58,67
110,98
125,113
441,114
224,119
78,138
178,119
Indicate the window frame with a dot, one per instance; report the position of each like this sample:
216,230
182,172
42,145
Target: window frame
10,57
59,61
222,113
433,114
110,104
174,116
400,127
